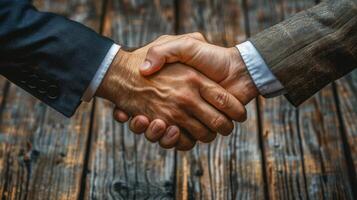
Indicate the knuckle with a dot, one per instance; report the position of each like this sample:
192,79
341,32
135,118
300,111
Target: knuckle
185,146
135,129
223,100
185,142
165,145
198,35
192,76
188,40
229,129
218,122
201,134
212,136
242,115
185,100
208,137
205,90
175,115
164,36
150,138
153,50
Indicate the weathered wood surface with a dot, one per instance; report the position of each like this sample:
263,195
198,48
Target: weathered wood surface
347,102
4,90
230,167
303,147
306,153
42,152
124,165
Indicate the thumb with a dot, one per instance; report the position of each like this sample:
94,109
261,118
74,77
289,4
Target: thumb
120,116
153,63
180,50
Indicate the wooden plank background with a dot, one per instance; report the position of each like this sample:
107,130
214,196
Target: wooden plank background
124,165
281,152
230,167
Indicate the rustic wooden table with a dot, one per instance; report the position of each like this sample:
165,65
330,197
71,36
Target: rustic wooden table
280,153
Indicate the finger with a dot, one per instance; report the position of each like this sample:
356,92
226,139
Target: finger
139,124
224,101
120,115
197,35
185,142
163,39
213,119
170,138
156,130
181,50
167,38
197,130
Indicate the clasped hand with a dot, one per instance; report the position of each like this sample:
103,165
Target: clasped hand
180,89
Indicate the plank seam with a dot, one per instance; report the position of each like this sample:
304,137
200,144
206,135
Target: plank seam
257,104
345,145
176,31
4,99
85,169
302,155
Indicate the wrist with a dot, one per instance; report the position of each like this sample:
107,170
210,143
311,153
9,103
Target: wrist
244,87
247,87
114,78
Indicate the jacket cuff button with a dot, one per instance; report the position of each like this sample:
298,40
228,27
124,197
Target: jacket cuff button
52,92
42,86
32,81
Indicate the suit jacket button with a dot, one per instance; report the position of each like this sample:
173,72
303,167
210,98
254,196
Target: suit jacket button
42,86
52,92
32,81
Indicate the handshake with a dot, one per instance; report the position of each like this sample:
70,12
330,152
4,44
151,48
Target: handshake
179,90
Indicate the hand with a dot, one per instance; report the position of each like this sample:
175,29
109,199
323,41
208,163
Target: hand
223,65
178,95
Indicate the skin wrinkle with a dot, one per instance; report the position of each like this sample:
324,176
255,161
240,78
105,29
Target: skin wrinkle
191,44
135,90
192,101
164,96
305,43
237,71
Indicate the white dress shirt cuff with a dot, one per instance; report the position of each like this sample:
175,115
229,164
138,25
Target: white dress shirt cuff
267,84
99,75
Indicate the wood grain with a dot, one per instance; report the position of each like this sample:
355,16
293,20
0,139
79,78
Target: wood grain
347,98
123,165
303,147
4,91
42,152
230,167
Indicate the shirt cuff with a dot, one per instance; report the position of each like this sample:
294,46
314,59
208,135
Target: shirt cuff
99,75
267,84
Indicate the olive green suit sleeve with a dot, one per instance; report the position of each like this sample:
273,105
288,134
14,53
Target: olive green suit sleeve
311,49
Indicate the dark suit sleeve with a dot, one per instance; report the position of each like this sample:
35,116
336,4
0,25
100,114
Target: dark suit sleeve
49,56
311,49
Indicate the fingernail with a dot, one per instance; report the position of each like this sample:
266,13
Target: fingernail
156,128
139,124
171,132
145,66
